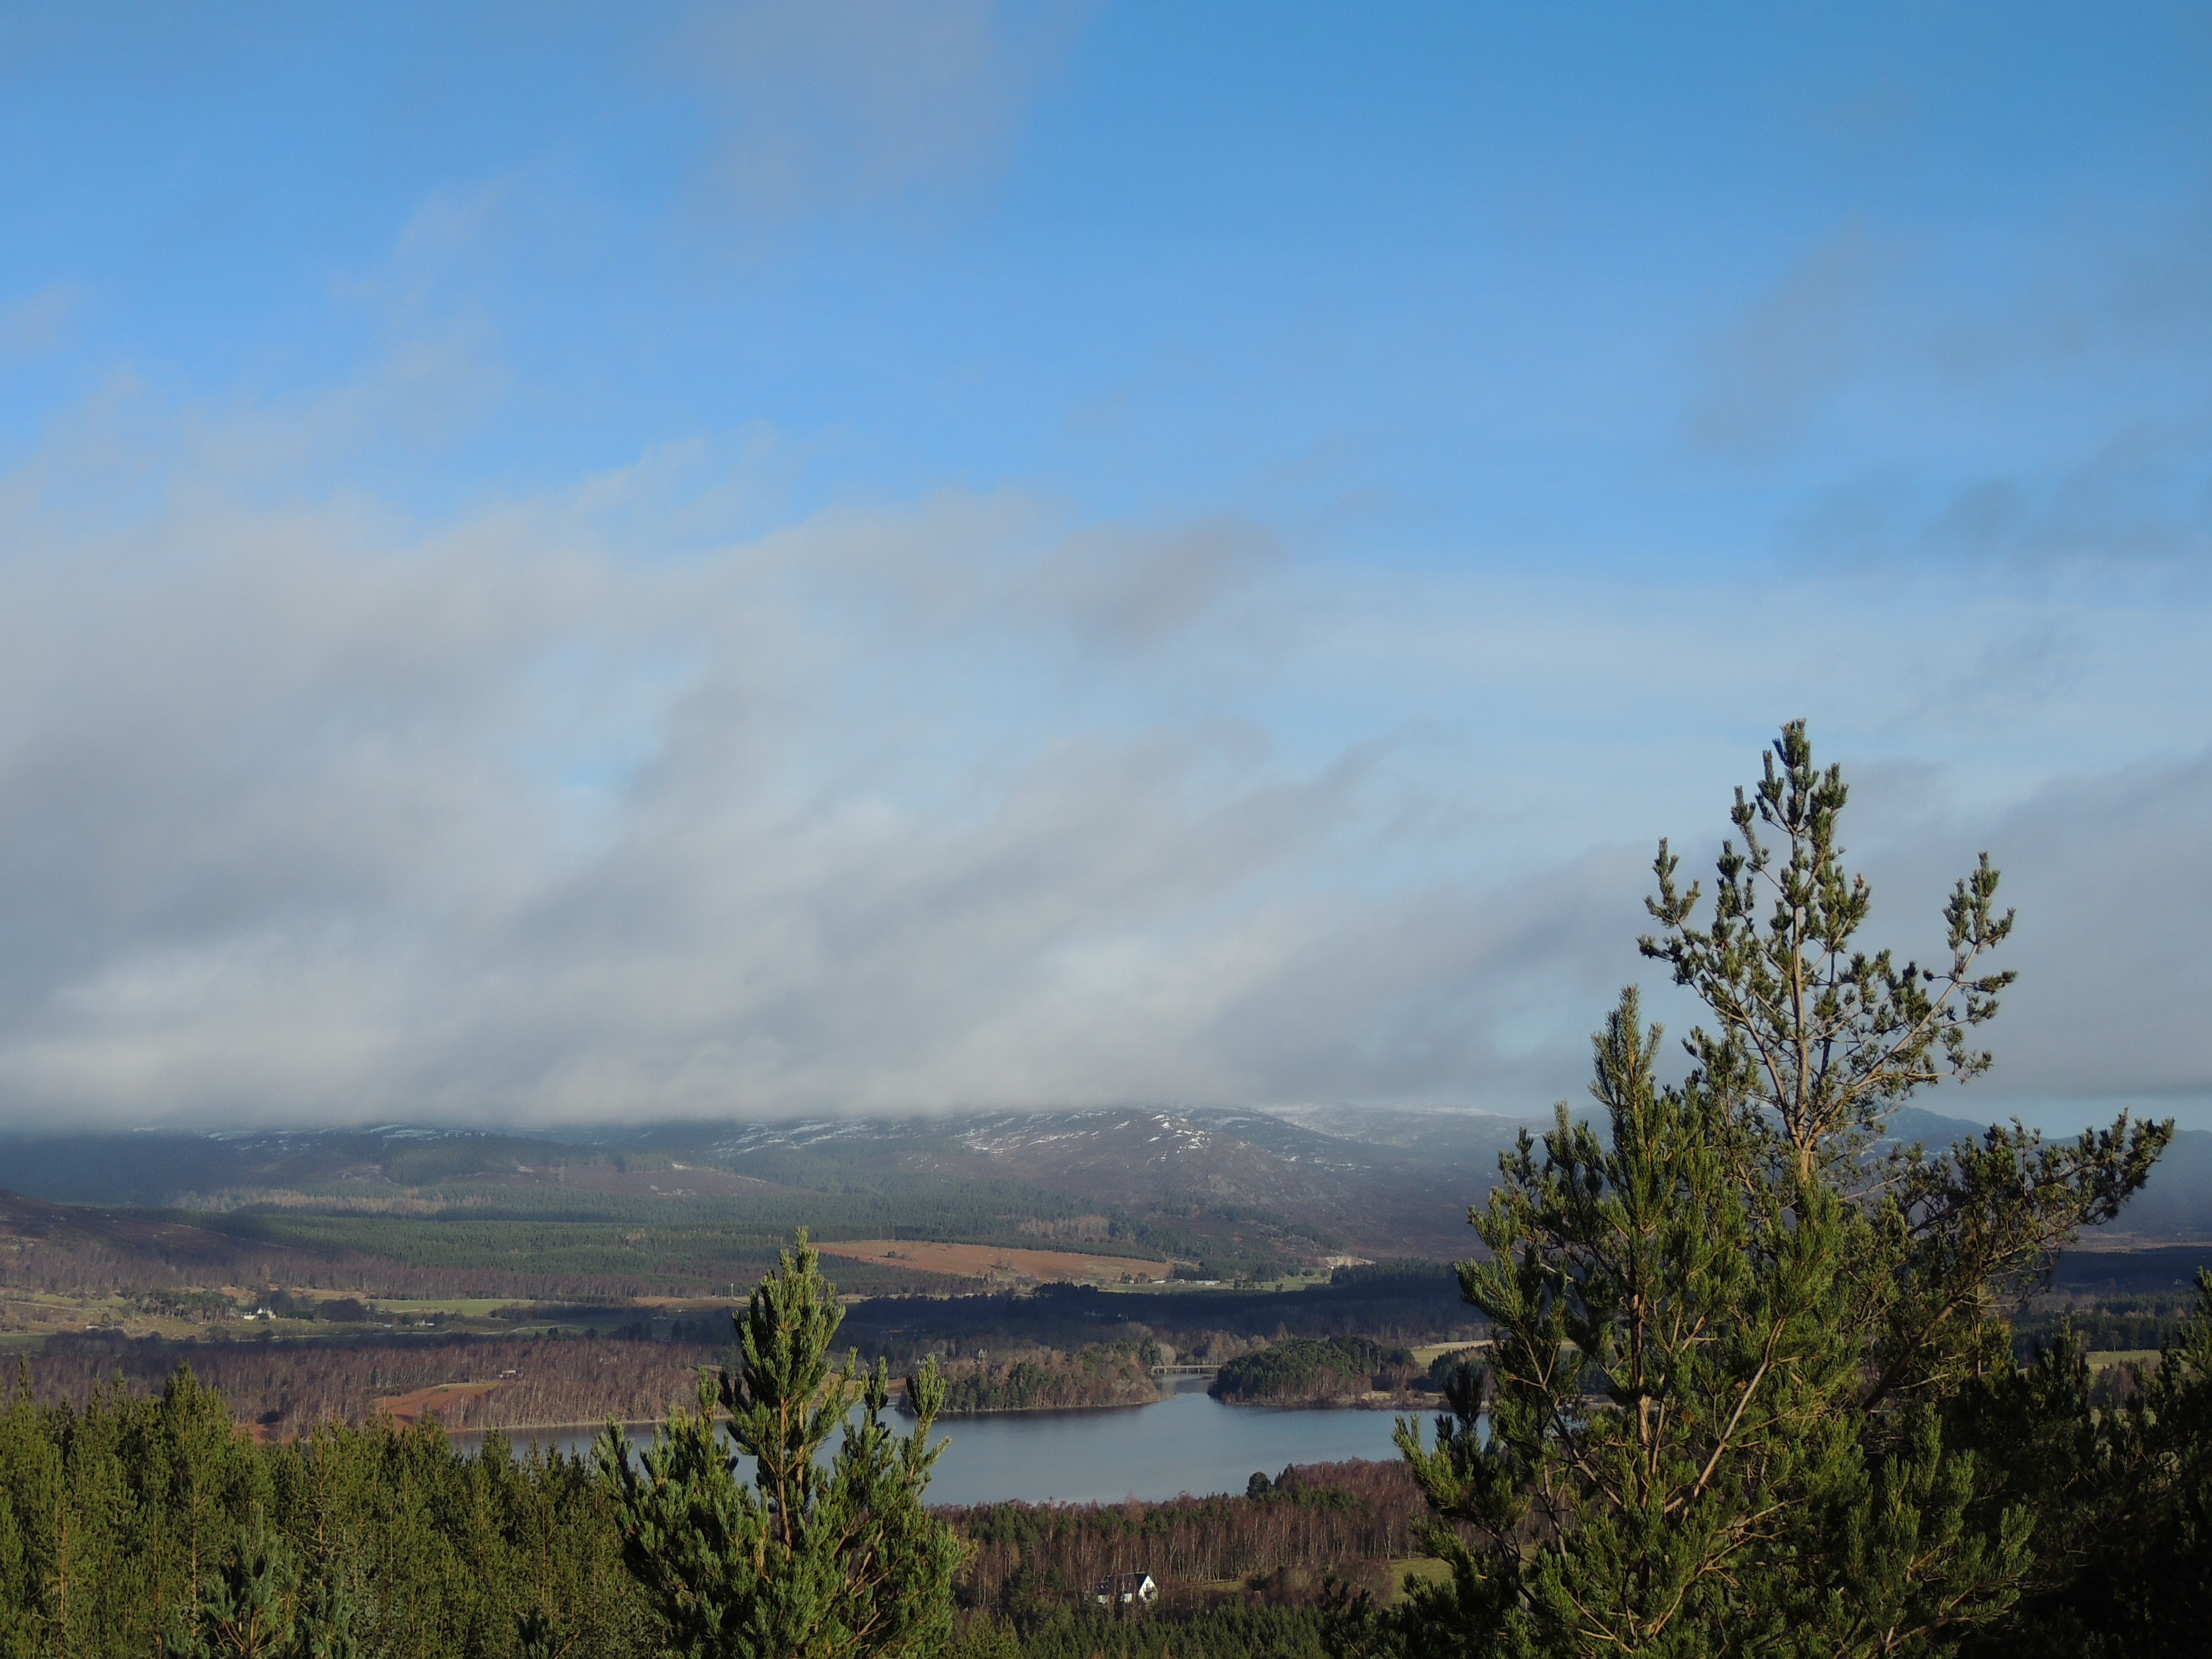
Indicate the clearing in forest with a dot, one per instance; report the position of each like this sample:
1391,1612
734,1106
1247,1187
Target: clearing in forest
406,1408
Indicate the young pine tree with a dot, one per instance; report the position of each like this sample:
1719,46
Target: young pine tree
807,1562
258,1604
1727,1319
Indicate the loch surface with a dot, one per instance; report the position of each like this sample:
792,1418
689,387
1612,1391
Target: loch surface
1188,1443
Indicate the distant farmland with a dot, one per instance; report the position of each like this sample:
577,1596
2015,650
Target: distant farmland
984,1261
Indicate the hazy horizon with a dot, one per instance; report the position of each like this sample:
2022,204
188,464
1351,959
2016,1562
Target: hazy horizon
1334,1119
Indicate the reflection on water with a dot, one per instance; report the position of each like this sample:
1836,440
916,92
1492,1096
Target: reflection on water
1188,1443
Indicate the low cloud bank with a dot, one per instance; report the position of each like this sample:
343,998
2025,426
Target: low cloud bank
574,808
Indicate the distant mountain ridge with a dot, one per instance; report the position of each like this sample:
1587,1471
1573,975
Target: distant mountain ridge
2175,1203
1384,1181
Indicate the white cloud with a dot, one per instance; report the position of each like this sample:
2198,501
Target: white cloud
2111,873
579,807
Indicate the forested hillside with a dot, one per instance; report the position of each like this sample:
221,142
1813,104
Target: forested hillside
1060,1346
286,1389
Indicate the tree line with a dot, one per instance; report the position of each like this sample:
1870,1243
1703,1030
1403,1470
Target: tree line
1208,1326
1030,1559
143,1525
2123,1324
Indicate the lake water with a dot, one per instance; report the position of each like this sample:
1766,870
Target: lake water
1188,1443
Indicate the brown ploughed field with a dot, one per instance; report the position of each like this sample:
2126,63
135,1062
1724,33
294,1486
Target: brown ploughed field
408,1407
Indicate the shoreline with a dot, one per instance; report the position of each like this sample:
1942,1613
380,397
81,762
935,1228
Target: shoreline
1371,1402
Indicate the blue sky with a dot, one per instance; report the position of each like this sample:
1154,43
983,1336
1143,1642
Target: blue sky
562,565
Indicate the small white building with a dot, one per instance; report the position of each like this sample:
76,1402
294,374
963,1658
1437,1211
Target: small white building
1127,1589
